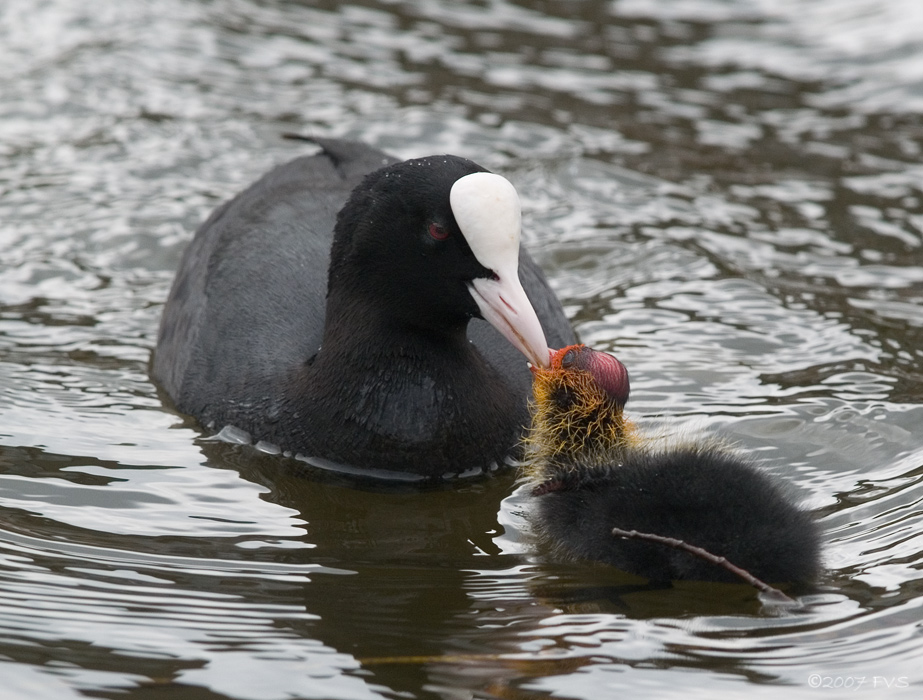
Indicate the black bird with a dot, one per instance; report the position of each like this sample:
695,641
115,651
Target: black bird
593,471
371,364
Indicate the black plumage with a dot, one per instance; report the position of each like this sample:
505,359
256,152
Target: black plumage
704,495
373,370
594,471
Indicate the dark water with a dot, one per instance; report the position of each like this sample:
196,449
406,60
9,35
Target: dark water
729,195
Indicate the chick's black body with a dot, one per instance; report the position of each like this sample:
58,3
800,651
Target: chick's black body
372,363
593,471
705,496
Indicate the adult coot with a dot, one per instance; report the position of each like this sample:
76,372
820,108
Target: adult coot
593,471
372,364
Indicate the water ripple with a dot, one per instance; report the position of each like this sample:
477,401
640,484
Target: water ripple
726,195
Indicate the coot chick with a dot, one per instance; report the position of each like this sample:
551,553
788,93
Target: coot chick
593,471
372,363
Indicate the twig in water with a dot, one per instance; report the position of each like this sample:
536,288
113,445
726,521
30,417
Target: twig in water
763,587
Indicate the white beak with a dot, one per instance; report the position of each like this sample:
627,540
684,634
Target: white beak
487,209
504,304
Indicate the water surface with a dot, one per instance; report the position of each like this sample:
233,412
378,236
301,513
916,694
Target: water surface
726,195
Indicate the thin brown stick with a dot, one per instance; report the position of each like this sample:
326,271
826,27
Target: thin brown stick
293,136
763,587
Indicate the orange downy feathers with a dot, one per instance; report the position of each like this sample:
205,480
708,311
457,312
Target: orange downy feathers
573,416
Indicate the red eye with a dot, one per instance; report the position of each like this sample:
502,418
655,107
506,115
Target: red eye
438,232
